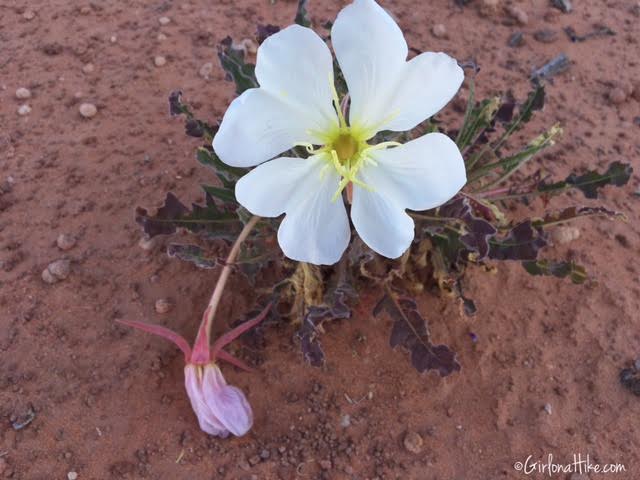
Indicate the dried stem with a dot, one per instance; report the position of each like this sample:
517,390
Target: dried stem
224,275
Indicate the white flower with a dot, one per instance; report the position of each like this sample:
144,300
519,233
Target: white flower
297,104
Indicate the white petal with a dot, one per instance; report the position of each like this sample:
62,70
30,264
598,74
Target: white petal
381,222
371,51
208,422
425,86
296,66
226,402
270,188
316,228
419,175
388,93
294,69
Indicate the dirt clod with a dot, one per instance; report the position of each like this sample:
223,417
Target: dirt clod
66,242
163,305
413,442
518,14
439,31
565,234
617,95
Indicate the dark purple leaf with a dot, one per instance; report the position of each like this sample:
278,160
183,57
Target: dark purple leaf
410,332
523,242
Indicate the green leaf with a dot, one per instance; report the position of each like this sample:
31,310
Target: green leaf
302,15
618,174
477,118
209,219
535,101
228,175
575,272
511,164
570,213
224,194
233,62
191,253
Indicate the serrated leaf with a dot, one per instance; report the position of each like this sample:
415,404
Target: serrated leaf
265,31
522,242
476,232
336,307
410,332
302,15
193,126
228,175
575,272
209,219
191,253
226,195
570,213
233,62
617,174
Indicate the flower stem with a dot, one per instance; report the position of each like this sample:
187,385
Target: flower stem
224,275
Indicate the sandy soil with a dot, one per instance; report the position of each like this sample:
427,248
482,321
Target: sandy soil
107,402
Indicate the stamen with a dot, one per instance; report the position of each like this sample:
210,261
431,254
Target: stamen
378,127
308,146
336,102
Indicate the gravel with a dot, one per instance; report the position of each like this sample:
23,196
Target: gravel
88,110
23,93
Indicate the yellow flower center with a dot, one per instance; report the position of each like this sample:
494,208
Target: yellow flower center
346,148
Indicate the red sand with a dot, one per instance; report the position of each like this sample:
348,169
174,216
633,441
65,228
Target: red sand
109,402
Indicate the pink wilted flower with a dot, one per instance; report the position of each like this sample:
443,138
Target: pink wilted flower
221,408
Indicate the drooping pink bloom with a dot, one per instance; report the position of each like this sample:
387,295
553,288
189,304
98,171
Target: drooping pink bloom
221,408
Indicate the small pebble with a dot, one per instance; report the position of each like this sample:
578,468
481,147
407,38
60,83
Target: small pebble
161,37
325,464
47,277
65,242
489,7
163,305
563,5
548,408
205,70
113,39
439,31
164,20
147,244
617,96
518,14
23,93
88,68
565,234
516,40
72,476
60,268
29,15
24,109
345,421
88,110
159,61
413,442
545,36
